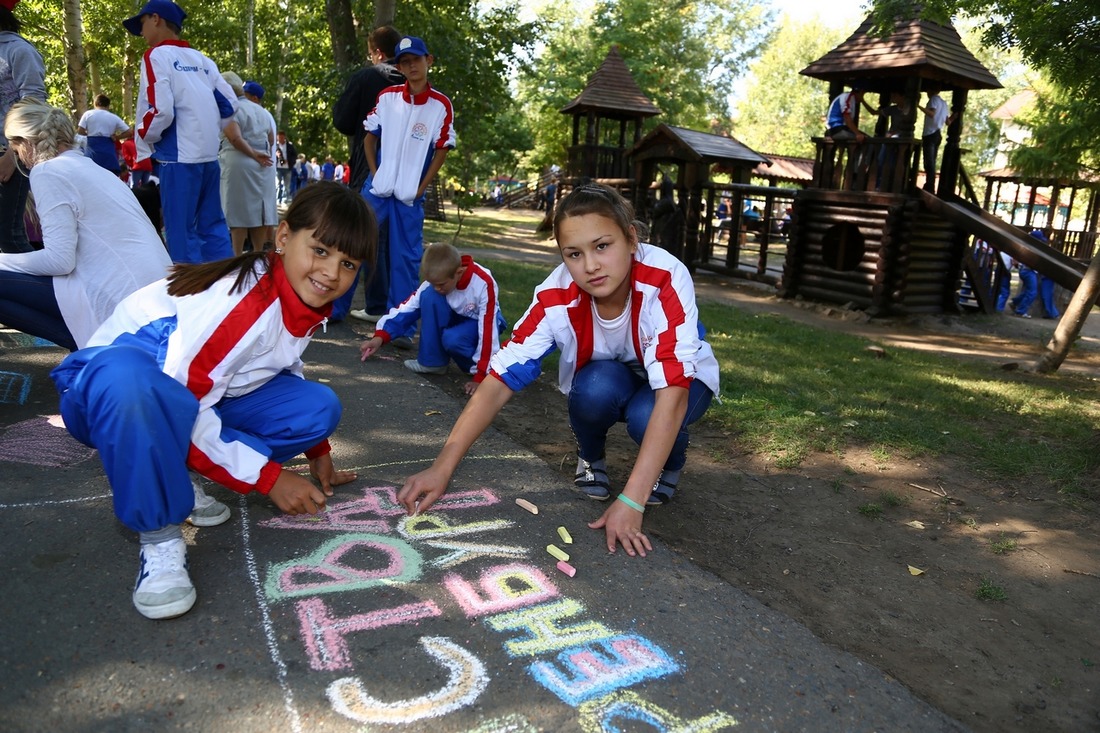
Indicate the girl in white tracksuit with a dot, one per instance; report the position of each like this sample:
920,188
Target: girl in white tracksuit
203,371
623,315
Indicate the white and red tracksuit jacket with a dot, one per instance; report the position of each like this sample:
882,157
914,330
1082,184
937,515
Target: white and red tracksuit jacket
182,105
220,344
664,325
475,297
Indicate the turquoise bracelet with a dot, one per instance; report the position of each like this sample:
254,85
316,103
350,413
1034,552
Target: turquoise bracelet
631,503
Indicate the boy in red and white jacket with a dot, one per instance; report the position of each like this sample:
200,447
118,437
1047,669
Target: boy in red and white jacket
459,312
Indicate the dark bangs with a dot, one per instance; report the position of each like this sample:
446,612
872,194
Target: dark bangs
338,216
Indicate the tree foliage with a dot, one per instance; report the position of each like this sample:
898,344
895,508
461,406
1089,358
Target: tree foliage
782,109
683,54
1061,39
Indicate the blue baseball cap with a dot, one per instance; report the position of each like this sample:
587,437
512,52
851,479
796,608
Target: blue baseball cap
164,8
410,44
253,88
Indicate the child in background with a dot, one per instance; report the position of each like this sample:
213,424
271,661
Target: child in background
623,315
203,371
409,133
460,314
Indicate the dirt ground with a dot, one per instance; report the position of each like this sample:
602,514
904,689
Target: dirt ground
796,540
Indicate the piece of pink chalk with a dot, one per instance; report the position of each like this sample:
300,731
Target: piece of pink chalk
566,568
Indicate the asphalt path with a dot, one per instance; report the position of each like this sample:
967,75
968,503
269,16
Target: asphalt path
362,619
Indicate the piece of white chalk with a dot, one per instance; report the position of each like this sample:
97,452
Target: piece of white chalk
567,568
563,556
528,506
564,534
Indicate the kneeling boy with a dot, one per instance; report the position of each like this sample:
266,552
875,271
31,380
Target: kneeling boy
459,313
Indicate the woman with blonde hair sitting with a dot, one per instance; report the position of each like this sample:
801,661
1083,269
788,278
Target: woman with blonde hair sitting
99,245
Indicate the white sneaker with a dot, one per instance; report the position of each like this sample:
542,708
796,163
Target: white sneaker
208,511
163,588
415,366
362,315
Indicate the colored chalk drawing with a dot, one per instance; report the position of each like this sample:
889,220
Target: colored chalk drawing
431,526
42,441
324,571
359,515
544,632
466,681
583,662
14,388
324,633
465,551
502,589
599,716
586,672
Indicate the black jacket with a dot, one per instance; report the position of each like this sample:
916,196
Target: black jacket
352,108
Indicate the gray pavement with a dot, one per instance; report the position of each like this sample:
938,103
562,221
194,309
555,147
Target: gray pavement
363,620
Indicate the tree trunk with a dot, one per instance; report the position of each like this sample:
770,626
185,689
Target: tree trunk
341,28
383,12
74,55
288,37
1073,320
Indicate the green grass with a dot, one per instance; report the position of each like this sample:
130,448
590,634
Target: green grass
789,390
870,510
990,591
1003,546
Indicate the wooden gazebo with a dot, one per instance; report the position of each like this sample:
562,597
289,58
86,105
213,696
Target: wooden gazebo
860,234
610,111
695,155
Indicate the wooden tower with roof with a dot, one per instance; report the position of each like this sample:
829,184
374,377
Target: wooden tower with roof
610,104
863,233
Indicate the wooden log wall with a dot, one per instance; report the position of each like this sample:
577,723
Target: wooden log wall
883,221
931,268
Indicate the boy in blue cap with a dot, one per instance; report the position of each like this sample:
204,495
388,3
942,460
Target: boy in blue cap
183,104
409,134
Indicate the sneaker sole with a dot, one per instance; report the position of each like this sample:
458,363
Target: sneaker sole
593,497
168,610
220,518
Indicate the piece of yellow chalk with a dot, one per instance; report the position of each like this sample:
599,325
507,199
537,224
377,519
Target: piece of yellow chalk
563,556
528,506
564,534
567,568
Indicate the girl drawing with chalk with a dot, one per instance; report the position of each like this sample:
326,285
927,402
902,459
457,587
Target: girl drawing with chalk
623,316
203,371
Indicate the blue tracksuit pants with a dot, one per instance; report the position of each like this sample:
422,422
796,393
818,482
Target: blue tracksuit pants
117,400
446,335
191,204
405,226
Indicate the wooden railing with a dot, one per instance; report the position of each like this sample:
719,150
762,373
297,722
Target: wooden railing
882,164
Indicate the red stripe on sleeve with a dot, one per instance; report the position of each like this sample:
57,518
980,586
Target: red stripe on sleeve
673,309
228,334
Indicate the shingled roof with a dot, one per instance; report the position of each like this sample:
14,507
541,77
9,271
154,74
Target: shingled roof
693,146
917,47
612,92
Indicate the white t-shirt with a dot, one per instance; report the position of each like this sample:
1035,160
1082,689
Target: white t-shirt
102,123
99,245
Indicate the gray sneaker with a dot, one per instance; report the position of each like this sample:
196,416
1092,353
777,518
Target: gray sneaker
163,588
415,366
402,342
208,511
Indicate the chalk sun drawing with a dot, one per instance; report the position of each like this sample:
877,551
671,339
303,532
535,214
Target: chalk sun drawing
323,570
465,683
599,716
